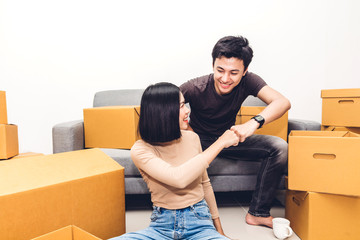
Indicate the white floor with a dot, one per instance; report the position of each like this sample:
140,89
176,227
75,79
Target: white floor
232,214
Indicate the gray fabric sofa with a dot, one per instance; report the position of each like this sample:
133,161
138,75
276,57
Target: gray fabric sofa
225,174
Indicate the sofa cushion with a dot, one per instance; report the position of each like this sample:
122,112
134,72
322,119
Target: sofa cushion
227,166
220,166
122,156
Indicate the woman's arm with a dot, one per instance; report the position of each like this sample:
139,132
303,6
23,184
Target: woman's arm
211,201
180,176
218,227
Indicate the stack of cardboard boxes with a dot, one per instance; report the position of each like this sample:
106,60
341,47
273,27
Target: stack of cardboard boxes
9,145
323,200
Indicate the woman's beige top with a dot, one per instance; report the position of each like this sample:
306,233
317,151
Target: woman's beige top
176,173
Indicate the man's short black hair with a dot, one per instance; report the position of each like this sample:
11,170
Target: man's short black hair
232,46
159,113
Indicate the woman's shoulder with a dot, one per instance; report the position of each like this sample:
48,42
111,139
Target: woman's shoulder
191,137
141,145
189,134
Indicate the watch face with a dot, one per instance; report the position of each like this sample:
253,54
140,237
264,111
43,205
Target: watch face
259,118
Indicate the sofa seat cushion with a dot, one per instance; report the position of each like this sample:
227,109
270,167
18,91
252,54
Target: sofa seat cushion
220,166
227,166
122,156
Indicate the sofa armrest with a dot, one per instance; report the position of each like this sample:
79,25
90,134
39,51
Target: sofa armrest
68,136
300,124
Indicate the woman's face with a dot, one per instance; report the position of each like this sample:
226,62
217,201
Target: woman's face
183,114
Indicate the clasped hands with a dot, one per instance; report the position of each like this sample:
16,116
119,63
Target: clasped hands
239,133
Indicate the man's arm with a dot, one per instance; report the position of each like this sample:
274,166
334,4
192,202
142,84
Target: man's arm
277,106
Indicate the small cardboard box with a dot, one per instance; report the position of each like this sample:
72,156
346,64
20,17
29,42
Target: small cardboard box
333,128
341,107
315,216
279,127
324,161
43,193
9,143
111,127
68,233
3,109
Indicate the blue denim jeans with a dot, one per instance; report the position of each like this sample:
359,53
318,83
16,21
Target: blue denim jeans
272,152
192,223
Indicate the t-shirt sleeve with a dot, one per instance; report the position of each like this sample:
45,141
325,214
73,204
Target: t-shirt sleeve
181,176
186,89
254,83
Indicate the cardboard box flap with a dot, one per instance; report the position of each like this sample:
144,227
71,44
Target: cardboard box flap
68,233
327,134
35,172
65,233
351,134
340,93
80,234
301,133
355,130
136,107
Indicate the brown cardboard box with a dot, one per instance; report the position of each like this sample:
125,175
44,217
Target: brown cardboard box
316,216
68,233
333,128
3,110
27,154
111,127
43,193
279,127
9,143
324,161
341,107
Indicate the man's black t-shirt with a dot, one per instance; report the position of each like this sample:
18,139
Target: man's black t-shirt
211,113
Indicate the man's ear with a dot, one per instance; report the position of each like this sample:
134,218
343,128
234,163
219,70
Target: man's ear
245,71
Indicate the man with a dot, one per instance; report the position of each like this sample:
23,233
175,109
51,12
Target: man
215,100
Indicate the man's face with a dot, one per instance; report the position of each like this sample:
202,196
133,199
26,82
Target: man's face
227,74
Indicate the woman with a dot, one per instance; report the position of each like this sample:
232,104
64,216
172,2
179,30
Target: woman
173,166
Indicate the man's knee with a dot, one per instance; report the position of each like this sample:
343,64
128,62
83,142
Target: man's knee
279,150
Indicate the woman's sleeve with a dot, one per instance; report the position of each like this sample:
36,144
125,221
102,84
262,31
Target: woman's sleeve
180,176
209,196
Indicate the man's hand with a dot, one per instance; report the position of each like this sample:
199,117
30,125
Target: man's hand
229,138
245,130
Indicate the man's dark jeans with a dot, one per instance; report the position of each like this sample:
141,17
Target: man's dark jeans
273,153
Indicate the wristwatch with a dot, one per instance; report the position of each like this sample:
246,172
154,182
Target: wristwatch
259,119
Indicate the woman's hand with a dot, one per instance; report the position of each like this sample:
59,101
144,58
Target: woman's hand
229,138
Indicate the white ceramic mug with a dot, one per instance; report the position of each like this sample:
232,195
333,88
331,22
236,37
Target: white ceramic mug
281,228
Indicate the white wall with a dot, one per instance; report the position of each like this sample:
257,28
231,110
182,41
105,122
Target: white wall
55,54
